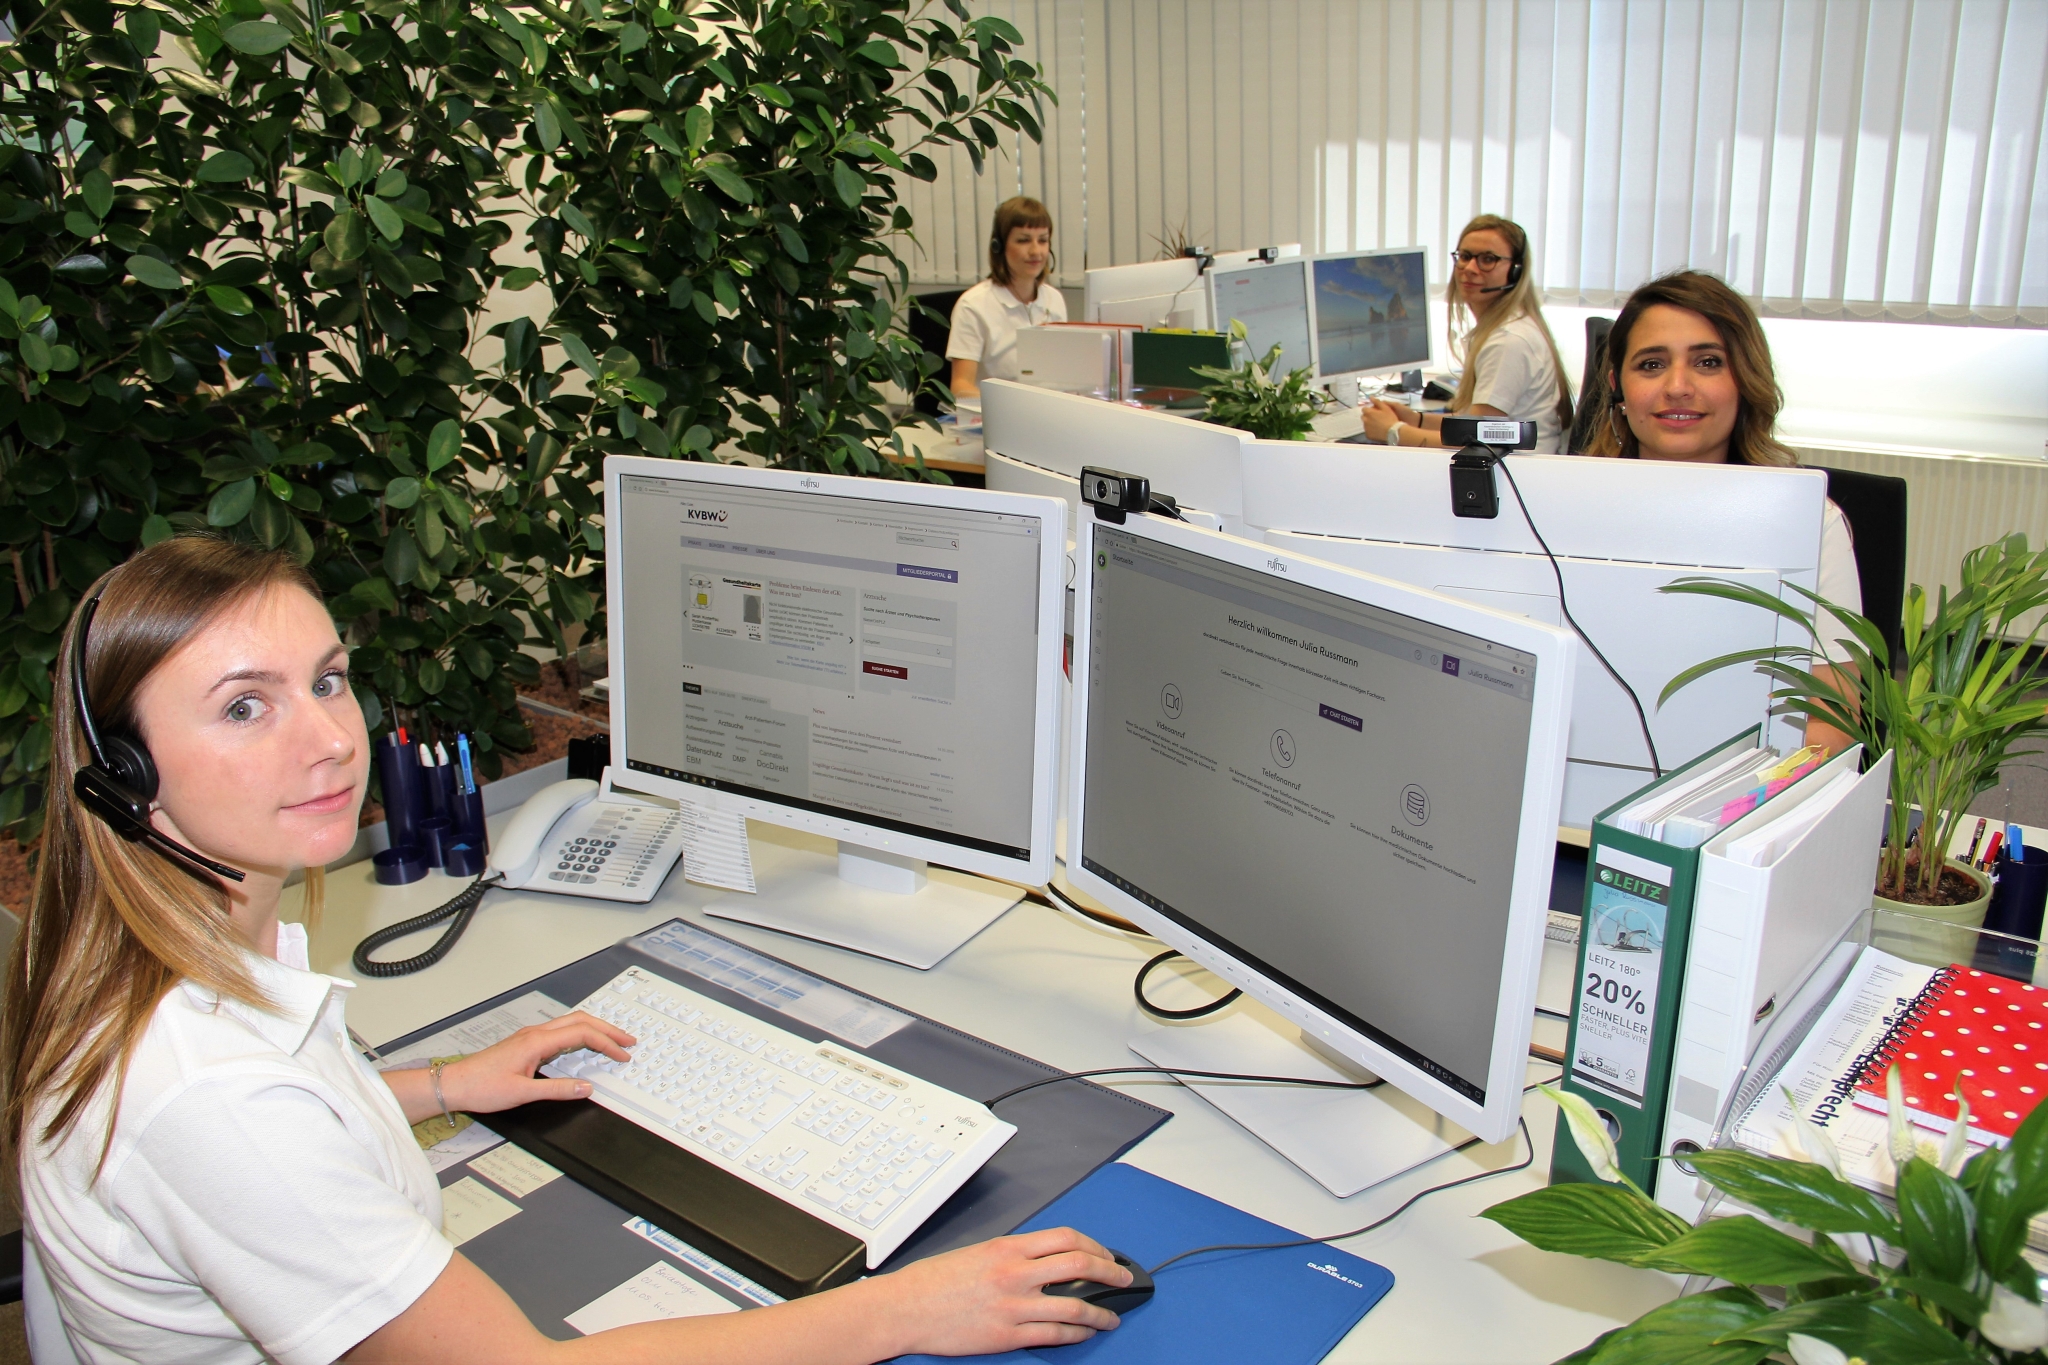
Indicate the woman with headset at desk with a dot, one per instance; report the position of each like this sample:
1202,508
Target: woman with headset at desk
208,1170
1018,293
1512,367
1689,378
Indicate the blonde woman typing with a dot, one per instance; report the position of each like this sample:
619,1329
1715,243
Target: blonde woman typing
1511,362
209,1172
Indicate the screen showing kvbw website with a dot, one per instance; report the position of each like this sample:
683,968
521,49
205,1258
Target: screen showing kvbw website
1326,791
863,659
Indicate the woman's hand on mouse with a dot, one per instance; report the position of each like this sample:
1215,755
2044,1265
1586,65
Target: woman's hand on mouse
989,1298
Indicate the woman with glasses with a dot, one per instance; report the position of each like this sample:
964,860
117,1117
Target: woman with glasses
1512,368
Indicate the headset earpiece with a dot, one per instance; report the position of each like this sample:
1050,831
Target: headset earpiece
1515,273
119,781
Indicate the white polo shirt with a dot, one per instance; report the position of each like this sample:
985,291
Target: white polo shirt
263,1198
987,319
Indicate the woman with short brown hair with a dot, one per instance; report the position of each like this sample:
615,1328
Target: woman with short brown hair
1018,293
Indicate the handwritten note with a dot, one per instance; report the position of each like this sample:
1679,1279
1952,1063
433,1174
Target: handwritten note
519,1172
469,1209
656,1293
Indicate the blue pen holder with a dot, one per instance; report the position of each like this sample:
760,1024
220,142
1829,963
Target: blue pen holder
2021,893
466,813
403,783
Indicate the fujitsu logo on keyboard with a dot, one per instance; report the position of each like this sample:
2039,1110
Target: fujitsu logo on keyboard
1335,1274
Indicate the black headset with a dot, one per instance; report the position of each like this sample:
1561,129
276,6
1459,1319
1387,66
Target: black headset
121,780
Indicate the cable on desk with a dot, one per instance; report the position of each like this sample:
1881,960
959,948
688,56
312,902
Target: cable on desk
1058,900
1182,1072
1198,1012
1412,1200
1656,765
461,909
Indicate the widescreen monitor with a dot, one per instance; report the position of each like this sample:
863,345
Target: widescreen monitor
1337,793
1371,312
1622,530
875,662
1272,303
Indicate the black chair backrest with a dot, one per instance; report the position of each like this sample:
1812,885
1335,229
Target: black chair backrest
1875,507
930,333
1592,386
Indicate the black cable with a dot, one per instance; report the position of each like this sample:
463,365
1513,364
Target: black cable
1413,1199
1198,1012
462,908
1181,1071
1656,766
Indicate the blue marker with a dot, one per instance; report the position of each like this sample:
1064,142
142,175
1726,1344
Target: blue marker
2015,844
468,774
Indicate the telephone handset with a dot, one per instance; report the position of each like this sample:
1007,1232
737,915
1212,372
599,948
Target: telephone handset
583,838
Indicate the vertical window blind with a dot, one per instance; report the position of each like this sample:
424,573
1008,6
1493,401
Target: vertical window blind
1830,158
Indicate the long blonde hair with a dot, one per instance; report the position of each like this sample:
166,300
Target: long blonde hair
112,925
1755,439
1468,336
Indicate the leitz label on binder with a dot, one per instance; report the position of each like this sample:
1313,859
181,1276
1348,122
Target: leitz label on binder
1626,912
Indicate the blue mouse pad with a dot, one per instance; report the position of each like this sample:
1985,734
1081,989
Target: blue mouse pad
1283,1307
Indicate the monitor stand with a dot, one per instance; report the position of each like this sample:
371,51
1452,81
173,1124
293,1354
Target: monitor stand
882,904
1346,1140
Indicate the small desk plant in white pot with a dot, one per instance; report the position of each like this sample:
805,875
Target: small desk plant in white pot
1962,693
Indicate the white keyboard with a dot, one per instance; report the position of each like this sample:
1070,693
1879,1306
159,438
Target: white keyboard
871,1151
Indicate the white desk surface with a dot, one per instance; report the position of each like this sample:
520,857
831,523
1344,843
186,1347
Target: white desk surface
1053,988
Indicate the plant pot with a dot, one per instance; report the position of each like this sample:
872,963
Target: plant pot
1950,932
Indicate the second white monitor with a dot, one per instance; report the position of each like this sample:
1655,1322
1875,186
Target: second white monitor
1271,300
1370,311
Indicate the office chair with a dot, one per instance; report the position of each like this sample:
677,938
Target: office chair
1592,387
1875,507
931,334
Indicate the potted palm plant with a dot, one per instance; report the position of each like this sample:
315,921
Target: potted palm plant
1962,693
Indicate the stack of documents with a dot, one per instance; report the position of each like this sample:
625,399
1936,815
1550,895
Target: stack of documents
1687,814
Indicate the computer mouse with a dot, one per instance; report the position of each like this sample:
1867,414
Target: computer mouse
1117,1300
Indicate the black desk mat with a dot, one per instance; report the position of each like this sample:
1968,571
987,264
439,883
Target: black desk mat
1064,1132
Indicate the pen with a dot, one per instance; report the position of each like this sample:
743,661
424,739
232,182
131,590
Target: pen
440,754
468,772
1991,850
1975,840
2015,844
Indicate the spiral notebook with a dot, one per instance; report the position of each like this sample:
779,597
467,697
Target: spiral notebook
1968,1030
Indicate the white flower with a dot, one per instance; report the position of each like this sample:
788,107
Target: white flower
2015,1323
1813,1351
1813,1140
1955,1148
1589,1133
1900,1143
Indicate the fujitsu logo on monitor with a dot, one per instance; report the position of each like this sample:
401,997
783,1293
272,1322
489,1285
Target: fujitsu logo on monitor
704,513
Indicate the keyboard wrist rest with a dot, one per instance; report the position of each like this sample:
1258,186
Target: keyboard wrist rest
762,1237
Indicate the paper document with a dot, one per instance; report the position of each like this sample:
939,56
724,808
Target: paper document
473,1139
715,848
474,1035
467,1209
515,1170
698,1261
1763,846
656,1293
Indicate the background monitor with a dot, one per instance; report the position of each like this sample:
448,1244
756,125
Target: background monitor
1621,529
1159,293
1371,311
1337,793
878,663
1272,303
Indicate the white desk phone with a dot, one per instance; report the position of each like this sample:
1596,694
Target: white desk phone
583,838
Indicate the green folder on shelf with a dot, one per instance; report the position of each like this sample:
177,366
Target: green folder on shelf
1625,1004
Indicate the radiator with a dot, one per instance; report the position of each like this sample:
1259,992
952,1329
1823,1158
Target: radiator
1954,503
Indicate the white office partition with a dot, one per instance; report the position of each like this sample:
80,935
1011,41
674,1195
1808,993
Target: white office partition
1196,463
1621,529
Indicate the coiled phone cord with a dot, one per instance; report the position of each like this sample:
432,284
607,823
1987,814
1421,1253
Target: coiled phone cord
462,908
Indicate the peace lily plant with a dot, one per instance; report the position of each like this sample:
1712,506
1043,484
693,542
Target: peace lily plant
1830,1273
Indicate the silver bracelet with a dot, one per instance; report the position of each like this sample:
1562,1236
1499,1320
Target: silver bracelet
434,1071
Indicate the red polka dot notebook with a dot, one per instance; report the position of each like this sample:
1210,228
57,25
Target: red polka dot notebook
1984,1032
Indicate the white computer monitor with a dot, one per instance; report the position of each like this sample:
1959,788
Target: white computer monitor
1370,311
1621,529
1271,300
1169,293
1336,792
877,662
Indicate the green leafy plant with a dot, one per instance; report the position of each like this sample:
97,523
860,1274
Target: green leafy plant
1250,399
714,192
1937,1277
1950,708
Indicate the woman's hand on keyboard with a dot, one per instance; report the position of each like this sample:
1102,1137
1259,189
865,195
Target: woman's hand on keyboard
502,1075
987,1298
